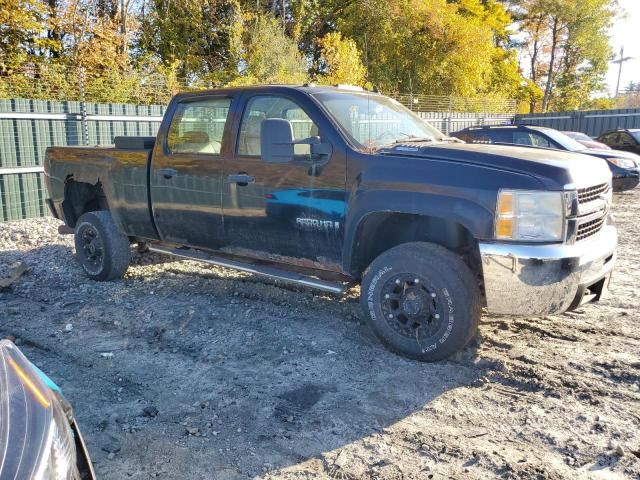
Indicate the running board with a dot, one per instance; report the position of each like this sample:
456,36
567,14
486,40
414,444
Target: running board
264,270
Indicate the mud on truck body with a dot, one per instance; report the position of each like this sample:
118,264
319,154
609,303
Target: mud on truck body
329,186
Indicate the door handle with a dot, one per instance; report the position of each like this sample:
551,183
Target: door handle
168,172
242,179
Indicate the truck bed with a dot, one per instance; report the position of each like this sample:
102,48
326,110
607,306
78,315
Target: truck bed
120,173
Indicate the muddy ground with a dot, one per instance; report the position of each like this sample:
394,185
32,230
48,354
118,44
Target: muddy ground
185,371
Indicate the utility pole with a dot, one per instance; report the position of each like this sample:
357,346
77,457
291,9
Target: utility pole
620,61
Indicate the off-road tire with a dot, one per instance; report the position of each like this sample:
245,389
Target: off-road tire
110,256
434,291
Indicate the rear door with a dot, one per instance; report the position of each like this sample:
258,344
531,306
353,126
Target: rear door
285,211
186,176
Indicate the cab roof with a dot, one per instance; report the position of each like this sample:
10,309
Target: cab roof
308,88
509,127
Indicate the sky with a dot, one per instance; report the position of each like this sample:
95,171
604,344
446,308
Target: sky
625,32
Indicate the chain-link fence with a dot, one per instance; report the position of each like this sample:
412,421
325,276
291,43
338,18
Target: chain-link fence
66,112
453,104
58,82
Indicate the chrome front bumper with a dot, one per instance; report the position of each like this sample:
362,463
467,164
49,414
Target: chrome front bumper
546,279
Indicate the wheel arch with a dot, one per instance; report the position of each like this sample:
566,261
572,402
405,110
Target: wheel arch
453,223
80,198
377,232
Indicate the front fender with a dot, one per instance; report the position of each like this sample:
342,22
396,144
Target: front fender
475,216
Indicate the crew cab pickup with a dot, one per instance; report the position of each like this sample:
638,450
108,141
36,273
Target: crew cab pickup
327,186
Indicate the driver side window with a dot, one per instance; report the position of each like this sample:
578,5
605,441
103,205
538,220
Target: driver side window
261,108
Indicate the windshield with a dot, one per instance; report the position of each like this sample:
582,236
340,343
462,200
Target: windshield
564,140
635,134
373,121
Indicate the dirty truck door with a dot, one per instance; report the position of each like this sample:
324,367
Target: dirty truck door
186,174
285,211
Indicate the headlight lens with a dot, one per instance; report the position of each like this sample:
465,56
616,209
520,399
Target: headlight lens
59,459
41,445
530,216
622,162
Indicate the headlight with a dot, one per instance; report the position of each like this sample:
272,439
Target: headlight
530,216
59,460
622,162
40,444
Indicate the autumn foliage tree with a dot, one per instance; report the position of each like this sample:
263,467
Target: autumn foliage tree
567,48
440,47
269,56
339,62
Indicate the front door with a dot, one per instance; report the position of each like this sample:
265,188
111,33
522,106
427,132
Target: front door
286,212
187,173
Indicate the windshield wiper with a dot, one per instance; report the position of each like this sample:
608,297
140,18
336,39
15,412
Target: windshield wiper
413,138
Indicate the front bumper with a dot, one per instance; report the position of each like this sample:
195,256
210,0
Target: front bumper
546,279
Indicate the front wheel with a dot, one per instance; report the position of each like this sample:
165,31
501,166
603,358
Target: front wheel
421,300
101,249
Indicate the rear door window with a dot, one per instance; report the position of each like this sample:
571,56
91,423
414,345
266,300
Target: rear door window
198,126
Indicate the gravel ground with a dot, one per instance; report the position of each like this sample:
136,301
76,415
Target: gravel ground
185,371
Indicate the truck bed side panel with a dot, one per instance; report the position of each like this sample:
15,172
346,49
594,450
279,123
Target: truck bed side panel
122,174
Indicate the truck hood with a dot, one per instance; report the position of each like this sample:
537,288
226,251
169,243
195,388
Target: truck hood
554,168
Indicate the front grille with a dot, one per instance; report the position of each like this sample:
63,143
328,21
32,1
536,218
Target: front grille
586,195
589,228
593,207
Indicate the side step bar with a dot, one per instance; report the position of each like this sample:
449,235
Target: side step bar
264,270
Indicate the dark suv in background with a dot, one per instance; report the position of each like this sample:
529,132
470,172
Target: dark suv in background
628,140
625,166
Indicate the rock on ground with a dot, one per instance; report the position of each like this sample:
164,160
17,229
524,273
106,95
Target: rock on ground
282,382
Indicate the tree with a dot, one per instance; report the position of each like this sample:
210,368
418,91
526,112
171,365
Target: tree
446,47
202,36
339,61
568,48
270,56
431,46
21,41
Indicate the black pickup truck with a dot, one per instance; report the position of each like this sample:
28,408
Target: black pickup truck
326,186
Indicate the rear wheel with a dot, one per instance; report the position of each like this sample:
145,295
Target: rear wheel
101,249
421,300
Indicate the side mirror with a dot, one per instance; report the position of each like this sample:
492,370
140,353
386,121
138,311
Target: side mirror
276,141
320,150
